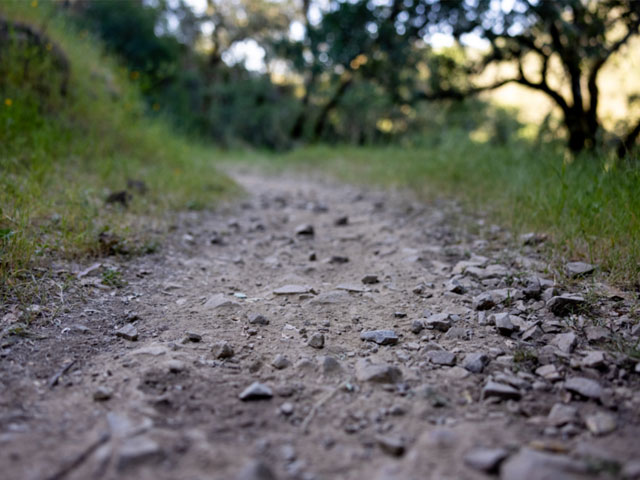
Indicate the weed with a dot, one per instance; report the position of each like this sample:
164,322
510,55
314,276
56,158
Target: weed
113,278
61,155
524,358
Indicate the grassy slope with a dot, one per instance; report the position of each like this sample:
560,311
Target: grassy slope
61,156
589,210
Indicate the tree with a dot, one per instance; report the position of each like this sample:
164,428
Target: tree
581,34
354,42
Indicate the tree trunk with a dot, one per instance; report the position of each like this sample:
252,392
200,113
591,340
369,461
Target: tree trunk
582,132
331,104
626,144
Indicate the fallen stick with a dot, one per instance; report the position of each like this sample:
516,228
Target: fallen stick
54,380
305,423
80,458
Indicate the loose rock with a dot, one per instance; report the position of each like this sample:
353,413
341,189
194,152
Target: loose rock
578,269
256,470
562,414
102,394
601,423
485,459
305,230
439,321
370,279
475,362
563,305
585,387
193,337
532,465
258,319
128,332
280,362
316,341
256,391
565,342
442,357
377,373
136,450
500,391
293,290
222,350
381,337
504,325
391,445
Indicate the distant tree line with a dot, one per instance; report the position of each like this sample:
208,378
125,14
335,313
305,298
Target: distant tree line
360,71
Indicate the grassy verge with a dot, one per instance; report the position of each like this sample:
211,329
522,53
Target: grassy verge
588,206
62,153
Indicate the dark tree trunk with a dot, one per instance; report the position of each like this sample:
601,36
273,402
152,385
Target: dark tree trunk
627,144
324,114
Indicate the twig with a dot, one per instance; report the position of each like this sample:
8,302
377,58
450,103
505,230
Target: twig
80,458
315,408
54,380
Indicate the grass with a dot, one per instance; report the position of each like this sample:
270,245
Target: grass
589,206
61,155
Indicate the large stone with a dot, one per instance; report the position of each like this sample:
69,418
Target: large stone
562,414
500,391
316,340
563,305
585,387
593,359
256,391
258,319
352,287
485,459
503,324
488,300
280,362
578,269
222,350
221,301
393,446
484,301
370,279
381,337
565,342
256,470
442,357
377,372
128,332
601,423
330,366
475,362
533,465
293,290
439,321
305,230
136,450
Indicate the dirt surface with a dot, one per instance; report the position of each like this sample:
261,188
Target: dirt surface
478,377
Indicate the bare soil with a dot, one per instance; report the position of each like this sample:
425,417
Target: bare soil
78,401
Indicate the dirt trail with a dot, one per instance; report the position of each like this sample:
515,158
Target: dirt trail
455,391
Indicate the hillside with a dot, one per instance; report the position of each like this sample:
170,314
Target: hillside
82,161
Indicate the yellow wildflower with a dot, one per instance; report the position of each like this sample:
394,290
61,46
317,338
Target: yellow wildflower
8,102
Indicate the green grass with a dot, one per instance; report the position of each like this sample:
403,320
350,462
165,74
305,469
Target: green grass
61,155
588,206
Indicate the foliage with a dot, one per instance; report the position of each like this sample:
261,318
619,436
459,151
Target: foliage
61,155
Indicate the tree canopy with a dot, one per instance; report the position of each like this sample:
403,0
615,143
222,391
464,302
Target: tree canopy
324,62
